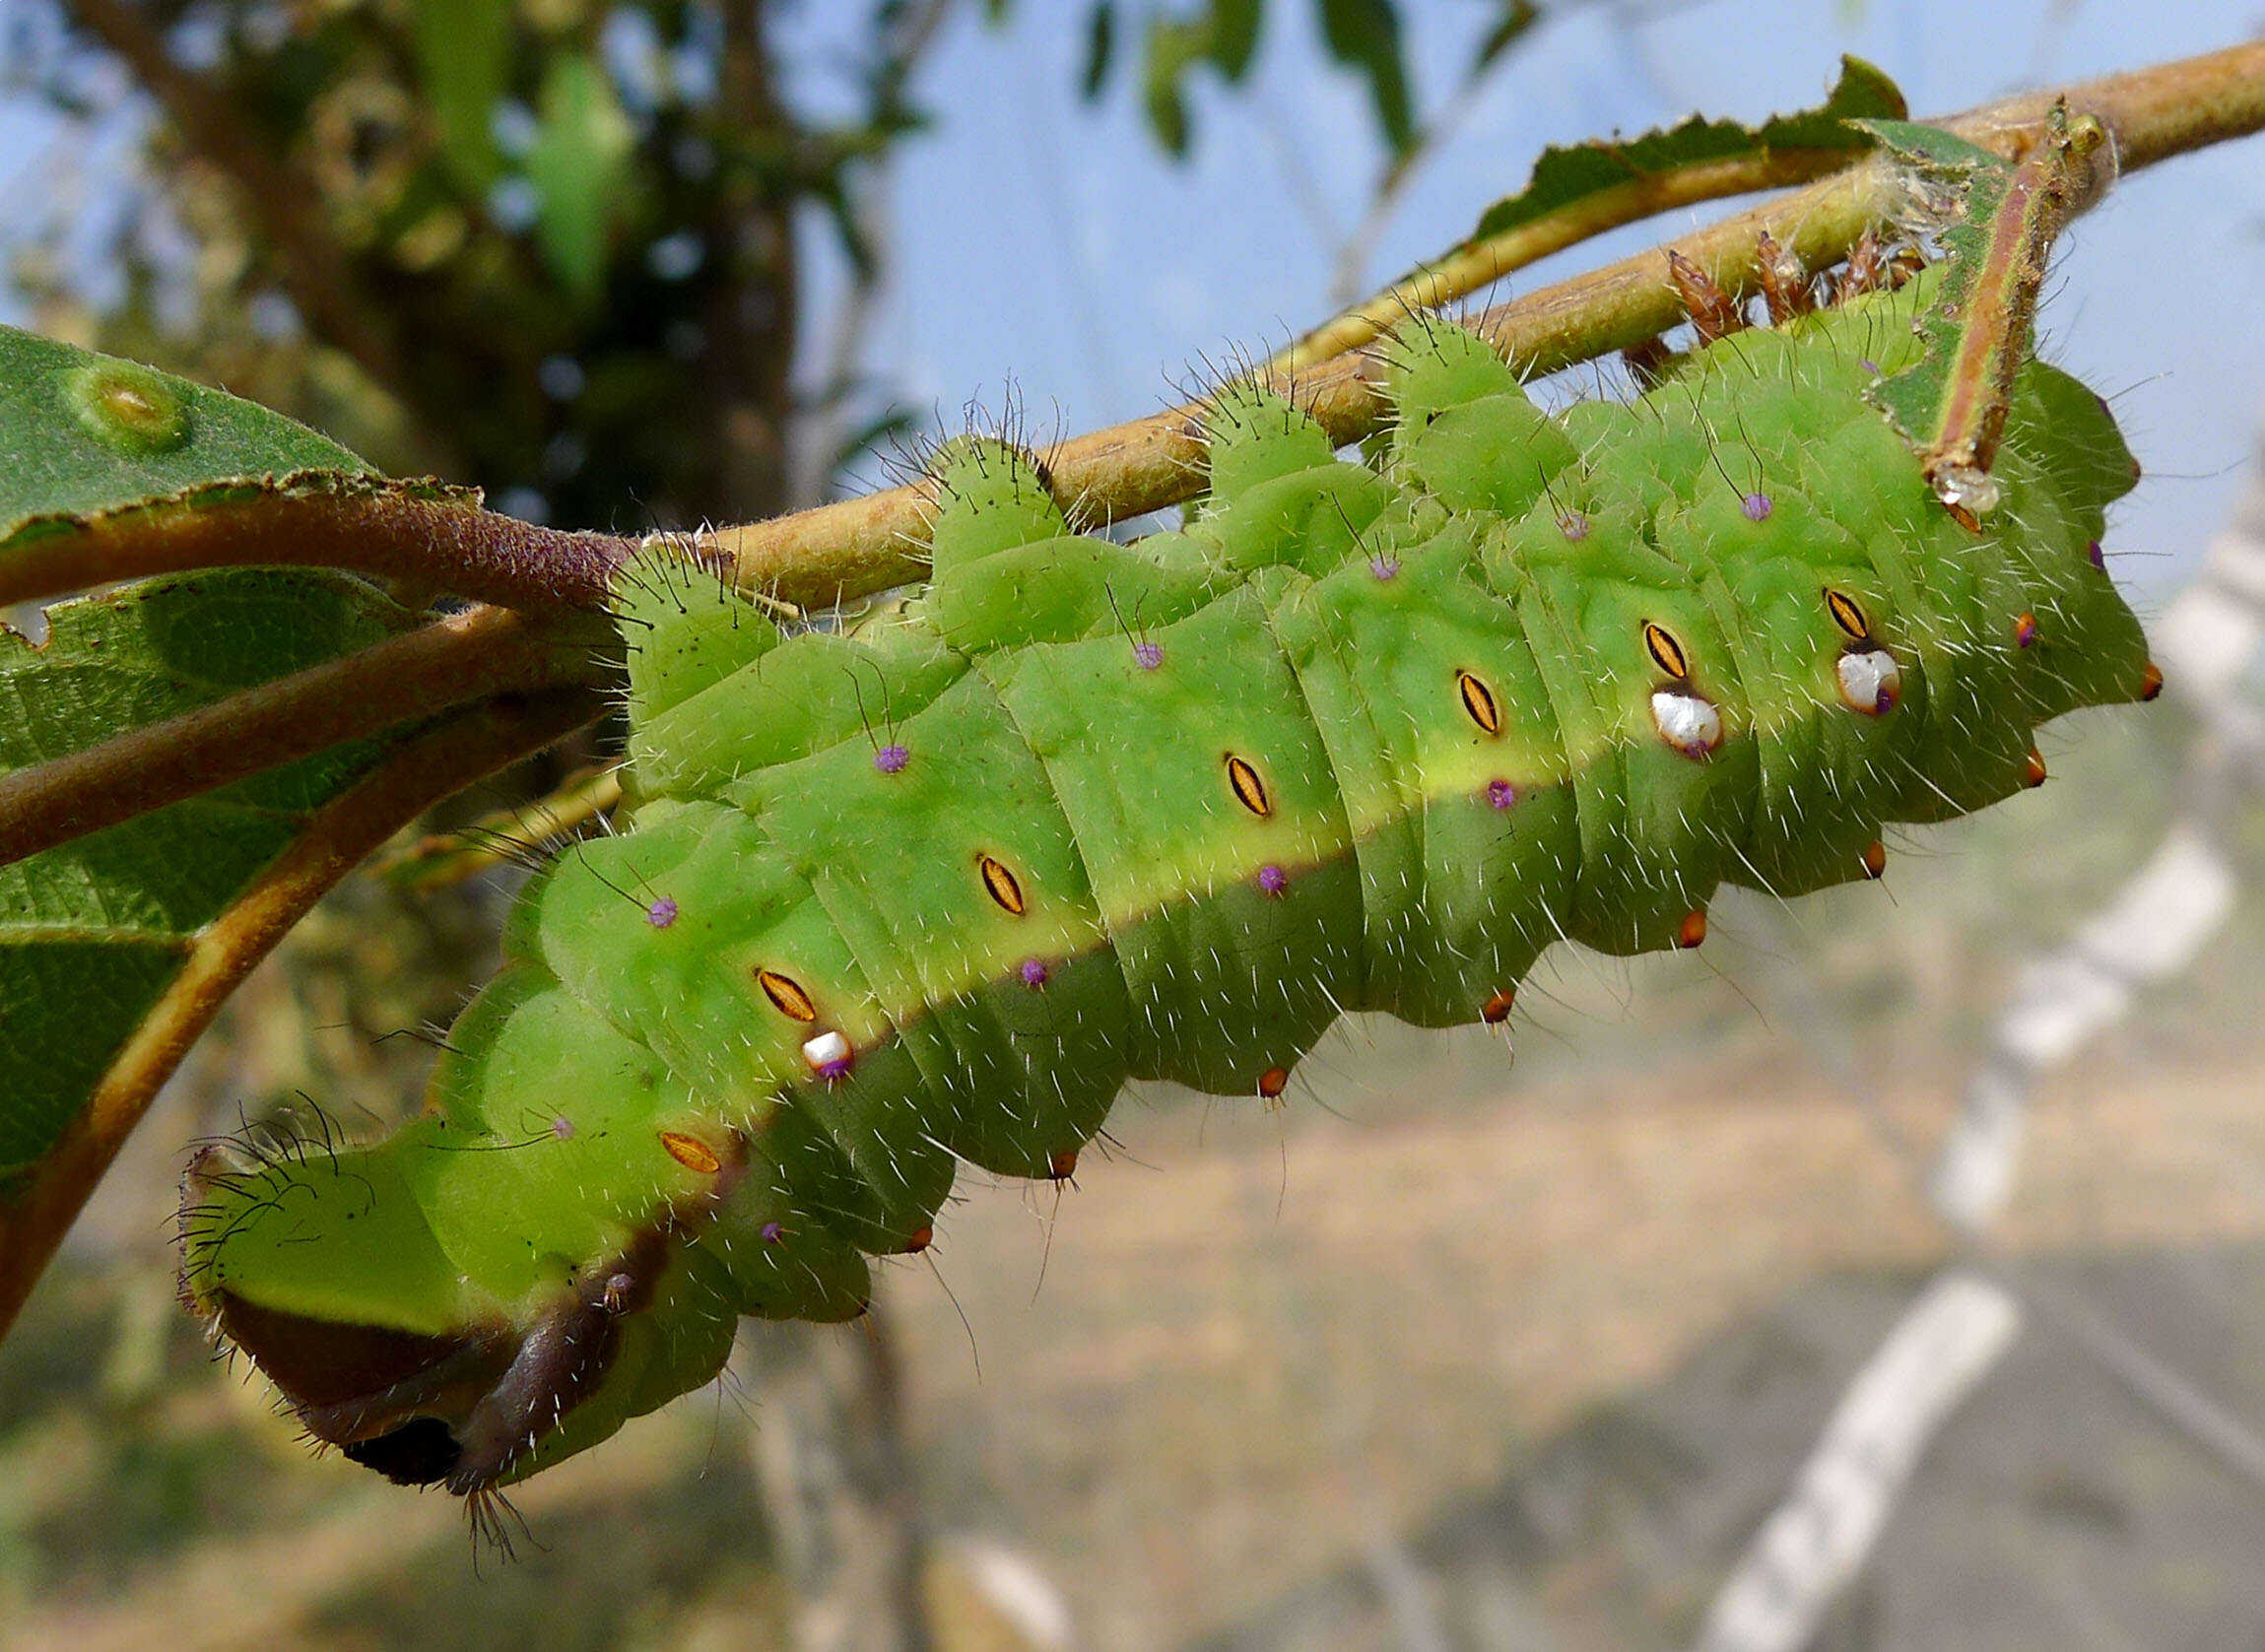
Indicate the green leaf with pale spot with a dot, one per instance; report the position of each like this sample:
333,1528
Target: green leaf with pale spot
83,436
94,931
1562,176
91,932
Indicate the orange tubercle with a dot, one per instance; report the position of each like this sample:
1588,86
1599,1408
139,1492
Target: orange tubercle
1875,858
1693,930
2032,771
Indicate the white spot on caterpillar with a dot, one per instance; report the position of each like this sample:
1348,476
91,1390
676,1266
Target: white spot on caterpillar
1966,487
1871,681
827,1055
1693,726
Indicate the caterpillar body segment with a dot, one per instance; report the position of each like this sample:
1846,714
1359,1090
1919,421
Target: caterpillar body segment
1356,737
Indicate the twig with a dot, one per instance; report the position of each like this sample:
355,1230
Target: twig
1470,268
451,662
433,544
859,546
336,838
449,857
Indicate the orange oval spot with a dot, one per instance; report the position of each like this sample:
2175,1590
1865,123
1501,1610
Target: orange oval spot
1273,1082
1479,701
1061,1166
922,1236
1000,884
2151,680
1848,614
1497,1008
2032,771
1666,653
2025,632
787,992
1693,930
1249,789
1875,859
691,1152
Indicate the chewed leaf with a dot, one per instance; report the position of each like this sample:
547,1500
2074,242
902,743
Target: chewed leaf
94,931
1564,176
1997,223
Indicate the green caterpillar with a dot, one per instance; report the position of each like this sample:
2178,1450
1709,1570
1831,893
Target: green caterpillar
1362,736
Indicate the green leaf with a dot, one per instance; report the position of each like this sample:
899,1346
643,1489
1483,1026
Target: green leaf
1234,34
1562,176
1927,399
463,59
83,435
93,932
1173,46
1365,35
1930,147
1518,16
579,167
1101,47
1224,35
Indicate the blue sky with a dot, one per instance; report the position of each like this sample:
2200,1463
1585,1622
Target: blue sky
1051,247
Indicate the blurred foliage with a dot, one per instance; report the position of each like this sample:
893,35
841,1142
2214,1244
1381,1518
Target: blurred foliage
1365,37
548,246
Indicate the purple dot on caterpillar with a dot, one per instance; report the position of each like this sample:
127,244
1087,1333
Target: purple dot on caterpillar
1033,973
773,1232
2097,555
1757,507
2025,632
892,759
1869,365
1501,794
1147,655
1271,878
1384,567
662,912
561,1129
1574,525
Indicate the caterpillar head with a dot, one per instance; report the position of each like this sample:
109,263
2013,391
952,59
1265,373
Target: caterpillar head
324,1269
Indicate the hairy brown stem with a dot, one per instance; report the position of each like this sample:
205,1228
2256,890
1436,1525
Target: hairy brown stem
451,662
436,765
859,546
433,544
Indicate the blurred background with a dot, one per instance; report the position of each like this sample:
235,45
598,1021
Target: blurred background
1890,1274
